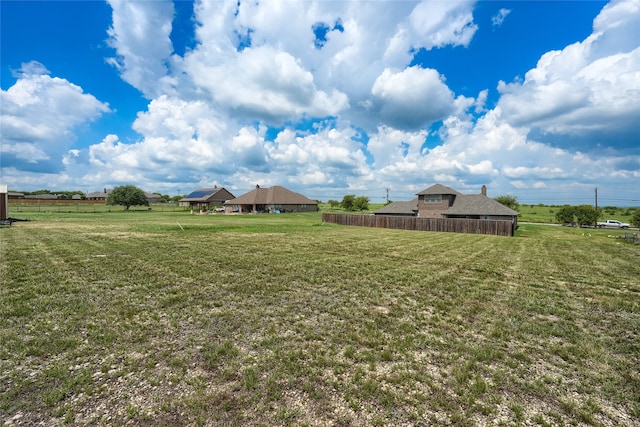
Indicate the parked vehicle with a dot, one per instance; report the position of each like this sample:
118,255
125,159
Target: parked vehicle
612,223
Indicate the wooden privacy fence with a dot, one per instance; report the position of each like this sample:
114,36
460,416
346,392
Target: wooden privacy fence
451,225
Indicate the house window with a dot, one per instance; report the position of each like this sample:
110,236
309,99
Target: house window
434,198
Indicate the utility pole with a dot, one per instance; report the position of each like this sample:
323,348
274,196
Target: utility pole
387,195
596,198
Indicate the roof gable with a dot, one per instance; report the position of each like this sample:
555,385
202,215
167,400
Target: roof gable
97,194
399,208
208,194
202,192
198,194
275,195
438,189
478,204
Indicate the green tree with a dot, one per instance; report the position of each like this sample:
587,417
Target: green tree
348,202
509,201
586,215
334,203
127,196
565,214
635,218
361,203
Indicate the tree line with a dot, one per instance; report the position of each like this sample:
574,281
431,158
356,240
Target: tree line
351,203
69,194
587,215
59,194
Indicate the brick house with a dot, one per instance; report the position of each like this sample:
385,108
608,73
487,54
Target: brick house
274,199
439,201
205,198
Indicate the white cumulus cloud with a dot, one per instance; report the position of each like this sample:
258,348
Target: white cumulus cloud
140,35
39,115
325,97
412,98
588,92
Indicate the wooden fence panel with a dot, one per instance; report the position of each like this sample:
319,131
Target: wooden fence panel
450,225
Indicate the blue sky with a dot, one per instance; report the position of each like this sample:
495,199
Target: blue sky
536,99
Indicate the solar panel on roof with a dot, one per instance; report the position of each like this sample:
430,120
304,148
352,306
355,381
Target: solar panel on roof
198,194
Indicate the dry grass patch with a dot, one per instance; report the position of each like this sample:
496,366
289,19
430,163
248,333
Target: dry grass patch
279,320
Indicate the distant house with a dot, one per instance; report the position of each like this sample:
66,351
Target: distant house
45,196
439,201
153,197
205,198
272,199
98,195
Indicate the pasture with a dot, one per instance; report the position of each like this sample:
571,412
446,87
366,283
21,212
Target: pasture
166,318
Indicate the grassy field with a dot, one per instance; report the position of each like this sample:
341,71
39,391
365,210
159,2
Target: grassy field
165,318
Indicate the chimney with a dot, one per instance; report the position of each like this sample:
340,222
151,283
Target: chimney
484,190
105,190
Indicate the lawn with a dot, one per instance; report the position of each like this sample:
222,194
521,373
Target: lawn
166,318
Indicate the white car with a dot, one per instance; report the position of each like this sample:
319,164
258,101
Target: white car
612,223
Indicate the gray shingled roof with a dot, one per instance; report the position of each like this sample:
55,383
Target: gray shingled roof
98,194
463,204
41,196
399,208
477,204
275,195
438,189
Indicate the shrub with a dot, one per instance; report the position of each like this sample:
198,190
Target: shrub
635,219
348,202
508,201
361,203
565,214
586,215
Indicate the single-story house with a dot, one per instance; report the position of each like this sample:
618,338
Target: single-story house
205,198
45,196
15,195
274,199
153,197
98,195
439,201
